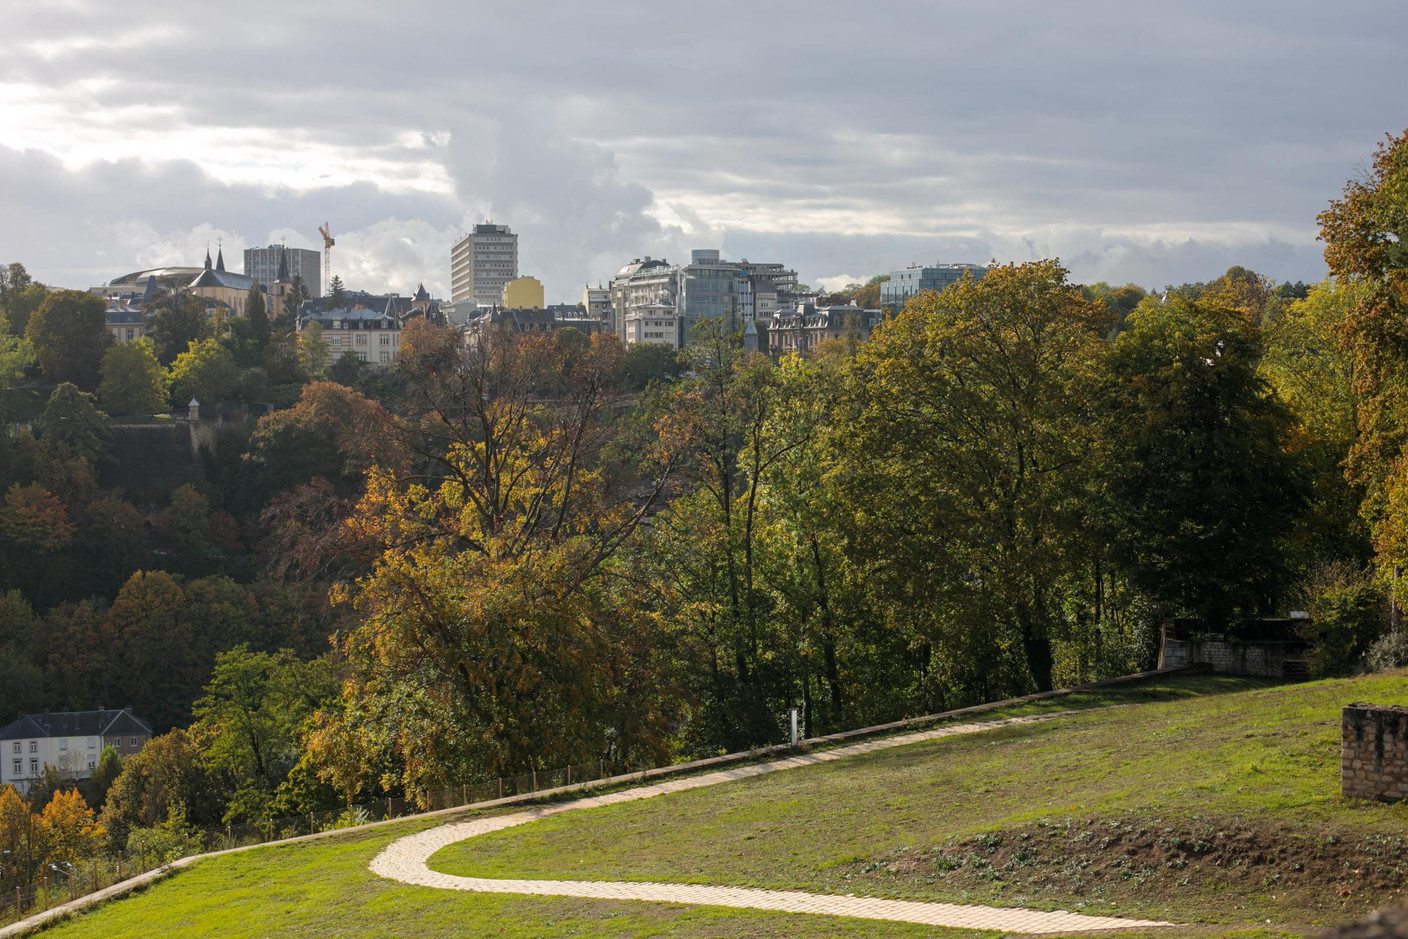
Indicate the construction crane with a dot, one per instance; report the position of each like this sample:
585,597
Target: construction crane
328,242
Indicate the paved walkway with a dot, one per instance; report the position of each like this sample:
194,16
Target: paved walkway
407,860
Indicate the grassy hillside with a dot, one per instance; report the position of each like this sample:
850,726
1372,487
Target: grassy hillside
1218,808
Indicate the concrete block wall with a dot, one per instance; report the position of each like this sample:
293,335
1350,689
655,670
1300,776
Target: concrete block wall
1374,752
1266,659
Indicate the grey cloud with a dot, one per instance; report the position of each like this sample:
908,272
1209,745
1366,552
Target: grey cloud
840,137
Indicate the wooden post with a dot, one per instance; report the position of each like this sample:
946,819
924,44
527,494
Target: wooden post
501,787
533,776
388,806
310,823
569,774
464,794
19,904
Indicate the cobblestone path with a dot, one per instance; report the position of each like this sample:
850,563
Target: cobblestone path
407,860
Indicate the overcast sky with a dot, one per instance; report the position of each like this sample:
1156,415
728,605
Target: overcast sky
1146,142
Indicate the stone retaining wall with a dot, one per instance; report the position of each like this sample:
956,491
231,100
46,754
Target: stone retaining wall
1374,752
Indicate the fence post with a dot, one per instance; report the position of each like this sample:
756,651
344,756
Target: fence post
602,764
794,727
19,904
533,774
464,793
501,787
569,774
95,875
310,823
229,835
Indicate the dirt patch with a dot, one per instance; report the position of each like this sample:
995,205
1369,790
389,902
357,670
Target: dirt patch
1221,868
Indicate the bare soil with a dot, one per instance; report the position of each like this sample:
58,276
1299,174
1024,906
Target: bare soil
1252,870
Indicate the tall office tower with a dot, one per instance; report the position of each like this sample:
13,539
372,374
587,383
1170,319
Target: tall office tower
263,265
481,263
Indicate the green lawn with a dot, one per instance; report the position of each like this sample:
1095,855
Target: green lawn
1210,808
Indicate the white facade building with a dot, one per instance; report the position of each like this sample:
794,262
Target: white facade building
69,741
373,337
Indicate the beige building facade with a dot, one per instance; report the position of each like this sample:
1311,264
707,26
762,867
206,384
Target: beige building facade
481,263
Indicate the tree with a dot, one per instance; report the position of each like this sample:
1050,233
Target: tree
968,437
158,665
96,786
206,371
72,425
1242,290
175,319
18,850
486,636
867,297
250,720
69,335
68,830
20,296
1200,485
16,355
645,362
133,380
313,352
34,519
337,295
1366,248
187,519
257,313
165,779
294,298
23,688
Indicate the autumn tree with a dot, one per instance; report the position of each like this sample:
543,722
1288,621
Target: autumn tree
34,519
69,335
486,628
20,296
67,829
1366,242
156,666
133,381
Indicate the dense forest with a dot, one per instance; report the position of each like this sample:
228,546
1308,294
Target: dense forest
534,549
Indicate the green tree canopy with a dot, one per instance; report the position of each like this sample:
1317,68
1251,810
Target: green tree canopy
206,371
337,294
69,335
72,424
133,380
175,319
1200,485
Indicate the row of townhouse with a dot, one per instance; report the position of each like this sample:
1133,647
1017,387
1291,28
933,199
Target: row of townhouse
70,741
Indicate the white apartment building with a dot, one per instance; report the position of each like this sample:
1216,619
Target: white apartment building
657,323
481,263
70,741
373,337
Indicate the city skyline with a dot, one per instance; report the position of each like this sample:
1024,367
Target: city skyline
1152,147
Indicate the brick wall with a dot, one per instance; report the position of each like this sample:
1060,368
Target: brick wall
1374,752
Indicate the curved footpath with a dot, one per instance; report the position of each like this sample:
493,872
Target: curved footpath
407,860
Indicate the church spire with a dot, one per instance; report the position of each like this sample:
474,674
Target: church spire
283,277
219,258
207,257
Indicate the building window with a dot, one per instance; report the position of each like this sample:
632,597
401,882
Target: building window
91,744
63,744
134,741
385,357
34,767
92,764
17,766
386,340
34,746
17,746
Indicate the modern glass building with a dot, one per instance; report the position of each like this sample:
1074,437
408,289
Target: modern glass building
913,280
